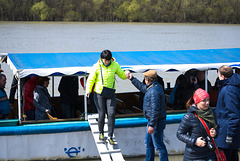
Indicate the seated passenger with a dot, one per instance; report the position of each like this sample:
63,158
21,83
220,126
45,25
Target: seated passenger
28,107
195,79
41,99
201,81
185,89
178,83
181,93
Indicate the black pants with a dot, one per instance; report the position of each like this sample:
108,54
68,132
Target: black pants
231,154
2,116
104,106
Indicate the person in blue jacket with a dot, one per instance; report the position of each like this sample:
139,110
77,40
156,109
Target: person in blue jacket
155,111
228,113
5,107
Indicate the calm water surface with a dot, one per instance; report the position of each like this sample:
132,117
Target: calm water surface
47,37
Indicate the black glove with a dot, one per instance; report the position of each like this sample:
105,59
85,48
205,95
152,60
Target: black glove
229,140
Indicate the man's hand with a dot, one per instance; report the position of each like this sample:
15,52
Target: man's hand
229,140
127,73
150,129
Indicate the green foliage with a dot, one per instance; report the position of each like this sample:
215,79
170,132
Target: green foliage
72,16
201,11
41,11
4,5
134,11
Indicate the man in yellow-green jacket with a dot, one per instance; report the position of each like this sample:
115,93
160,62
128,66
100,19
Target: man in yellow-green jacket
103,77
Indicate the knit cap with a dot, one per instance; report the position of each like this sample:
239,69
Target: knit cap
200,95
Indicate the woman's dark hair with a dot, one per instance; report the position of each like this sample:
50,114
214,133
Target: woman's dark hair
106,54
41,80
189,103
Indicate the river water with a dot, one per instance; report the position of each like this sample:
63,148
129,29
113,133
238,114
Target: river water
48,37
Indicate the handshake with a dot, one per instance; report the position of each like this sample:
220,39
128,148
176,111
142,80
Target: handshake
128,74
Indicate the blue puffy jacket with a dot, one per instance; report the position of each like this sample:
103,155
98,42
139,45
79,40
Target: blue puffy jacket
154,101
188,131
228,112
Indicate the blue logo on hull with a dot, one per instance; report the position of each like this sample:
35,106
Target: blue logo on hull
73,152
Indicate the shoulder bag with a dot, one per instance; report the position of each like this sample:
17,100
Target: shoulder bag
219,153
107,92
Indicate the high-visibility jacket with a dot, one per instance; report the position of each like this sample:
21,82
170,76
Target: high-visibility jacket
108,73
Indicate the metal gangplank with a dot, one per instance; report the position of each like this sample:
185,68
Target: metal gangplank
106,151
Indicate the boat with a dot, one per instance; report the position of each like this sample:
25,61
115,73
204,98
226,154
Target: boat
72,138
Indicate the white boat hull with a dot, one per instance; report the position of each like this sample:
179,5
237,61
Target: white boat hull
80,144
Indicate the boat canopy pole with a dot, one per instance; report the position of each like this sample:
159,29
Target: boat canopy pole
206,80
84,96
52,86
19,100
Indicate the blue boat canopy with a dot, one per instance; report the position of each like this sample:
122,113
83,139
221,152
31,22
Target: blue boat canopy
53,64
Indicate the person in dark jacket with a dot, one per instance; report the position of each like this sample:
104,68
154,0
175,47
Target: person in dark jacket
192,132
180,93
160,81
68,89
14,87
28,107
228,113
201,81
41,99
155,111
5,107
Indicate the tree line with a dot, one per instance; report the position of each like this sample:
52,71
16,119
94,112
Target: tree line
198,11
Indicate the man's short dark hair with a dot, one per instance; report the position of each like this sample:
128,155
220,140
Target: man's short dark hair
226,71
106,54
151,79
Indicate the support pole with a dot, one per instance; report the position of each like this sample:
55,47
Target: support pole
52,86
84,96
19,101
206,80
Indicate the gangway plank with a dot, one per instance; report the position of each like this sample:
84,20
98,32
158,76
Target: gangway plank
106,151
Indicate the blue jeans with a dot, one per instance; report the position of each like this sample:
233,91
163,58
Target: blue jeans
155,141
